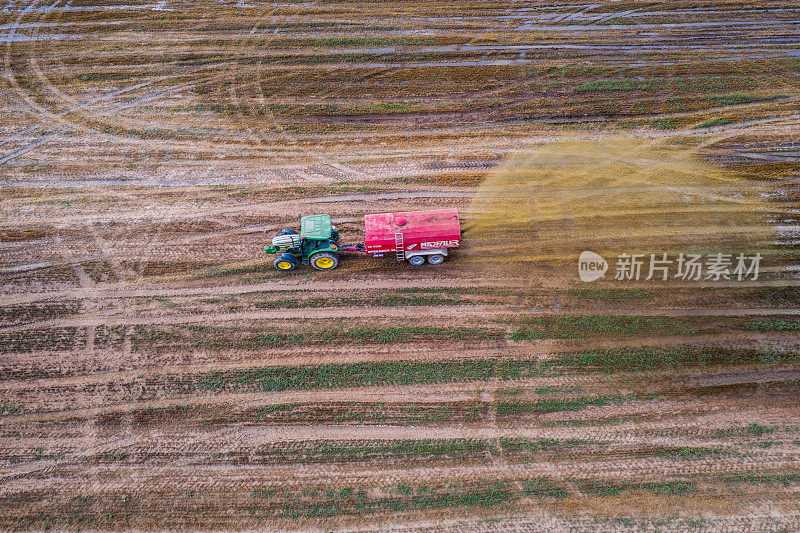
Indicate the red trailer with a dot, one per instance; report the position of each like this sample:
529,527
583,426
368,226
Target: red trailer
413,235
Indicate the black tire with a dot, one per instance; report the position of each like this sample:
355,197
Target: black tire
285,262
435,259
417,260
324,261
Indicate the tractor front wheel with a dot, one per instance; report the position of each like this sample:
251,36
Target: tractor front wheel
285,262
324,261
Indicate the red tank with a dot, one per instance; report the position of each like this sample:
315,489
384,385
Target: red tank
412,230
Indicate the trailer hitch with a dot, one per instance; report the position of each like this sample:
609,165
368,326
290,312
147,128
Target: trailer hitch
358,247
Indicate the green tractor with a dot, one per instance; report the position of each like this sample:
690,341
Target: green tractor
317,244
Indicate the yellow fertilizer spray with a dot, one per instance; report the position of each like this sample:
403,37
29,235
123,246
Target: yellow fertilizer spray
543,208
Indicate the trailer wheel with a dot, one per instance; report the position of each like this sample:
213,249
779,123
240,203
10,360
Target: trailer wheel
285,262
435,259
417,260
324,261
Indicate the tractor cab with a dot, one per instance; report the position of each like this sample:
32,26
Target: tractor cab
317,244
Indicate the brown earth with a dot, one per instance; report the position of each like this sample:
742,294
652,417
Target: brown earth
157,373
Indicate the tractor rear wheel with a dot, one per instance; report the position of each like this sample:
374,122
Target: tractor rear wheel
435,259
324,261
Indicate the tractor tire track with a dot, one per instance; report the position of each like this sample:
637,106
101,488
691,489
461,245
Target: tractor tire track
165,477
110,291
333,313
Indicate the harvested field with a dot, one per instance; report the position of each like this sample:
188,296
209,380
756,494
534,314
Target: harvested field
157,372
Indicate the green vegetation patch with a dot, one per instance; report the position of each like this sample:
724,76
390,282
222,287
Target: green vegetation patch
381,413
604,86
274,338
346,375
370,450
714,122
328,502
570,404
734,99
275,378
688,452
410,333
665,124
579,326
671,85
6,410
649,358
752,429
544,487
786,479
772,325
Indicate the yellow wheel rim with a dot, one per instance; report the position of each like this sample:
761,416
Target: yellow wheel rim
285,265
324,262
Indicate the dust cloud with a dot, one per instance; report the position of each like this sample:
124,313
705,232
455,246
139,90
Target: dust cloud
623,195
